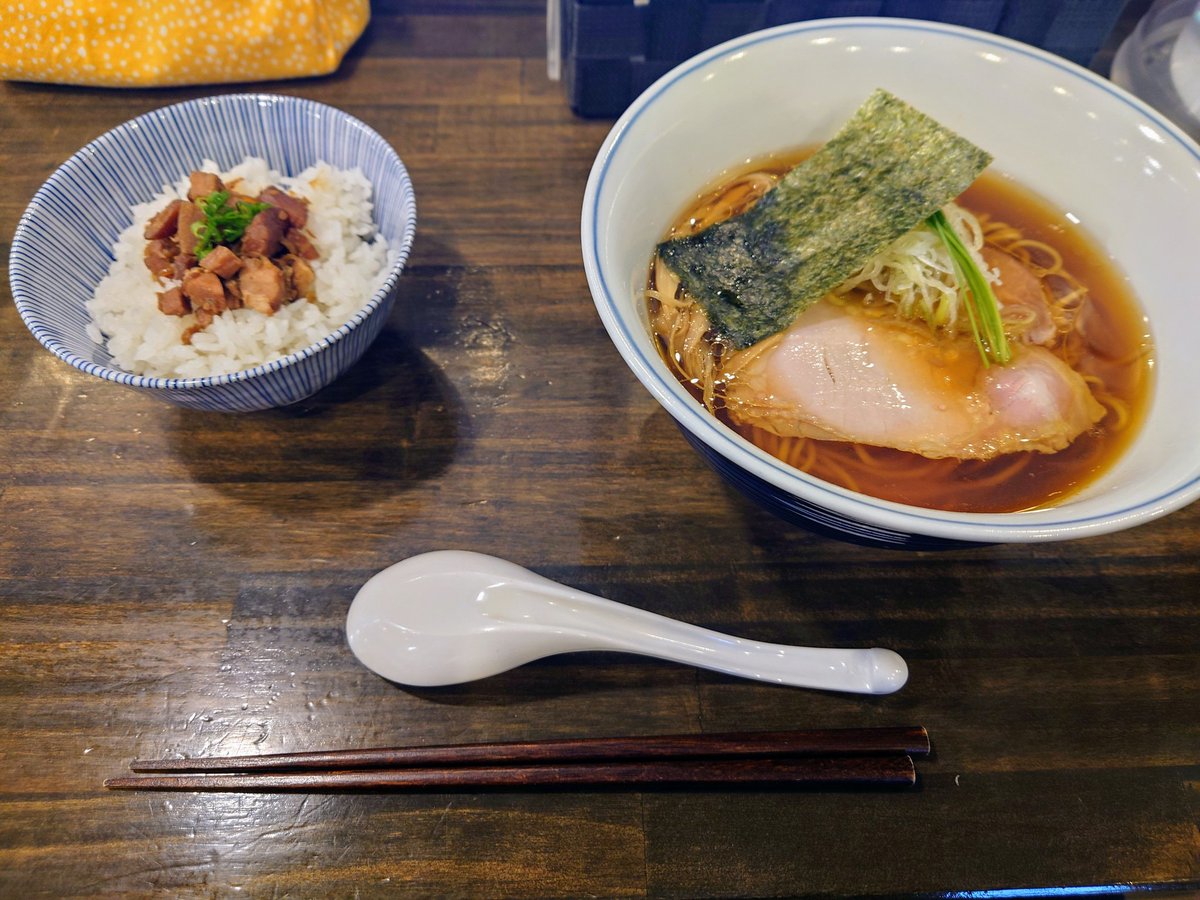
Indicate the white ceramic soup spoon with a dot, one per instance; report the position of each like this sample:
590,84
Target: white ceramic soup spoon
453,616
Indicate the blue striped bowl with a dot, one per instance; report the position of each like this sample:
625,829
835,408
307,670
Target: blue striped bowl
1111,163
63,244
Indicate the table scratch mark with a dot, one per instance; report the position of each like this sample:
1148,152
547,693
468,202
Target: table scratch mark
441,820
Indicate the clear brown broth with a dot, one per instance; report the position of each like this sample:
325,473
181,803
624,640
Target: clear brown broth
1117,350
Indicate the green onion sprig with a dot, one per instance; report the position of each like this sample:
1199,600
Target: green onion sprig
222,223
983,311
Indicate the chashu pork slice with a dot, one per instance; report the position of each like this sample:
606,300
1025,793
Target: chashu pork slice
833,375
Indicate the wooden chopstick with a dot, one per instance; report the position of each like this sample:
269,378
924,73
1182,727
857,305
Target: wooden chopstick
849,757
911,740
804,771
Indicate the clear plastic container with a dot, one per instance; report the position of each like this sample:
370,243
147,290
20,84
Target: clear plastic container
1160,62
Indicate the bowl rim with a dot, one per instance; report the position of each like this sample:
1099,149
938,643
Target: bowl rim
80,158
1037,525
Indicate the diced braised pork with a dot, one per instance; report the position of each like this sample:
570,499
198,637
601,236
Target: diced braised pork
262,285
233,293
159,256
164,223
300,276
297,242
172,302
180,265
221,261
295,207
264,234
201,184
189,215
204,291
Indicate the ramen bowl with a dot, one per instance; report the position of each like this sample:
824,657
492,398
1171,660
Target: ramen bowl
1111,164
63,245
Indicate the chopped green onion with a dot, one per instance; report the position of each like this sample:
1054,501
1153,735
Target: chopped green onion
983,312
222,223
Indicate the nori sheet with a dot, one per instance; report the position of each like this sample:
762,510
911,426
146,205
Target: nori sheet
887,170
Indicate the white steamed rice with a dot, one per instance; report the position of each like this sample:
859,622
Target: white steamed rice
354,260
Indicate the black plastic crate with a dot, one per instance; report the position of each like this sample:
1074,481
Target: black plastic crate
609,51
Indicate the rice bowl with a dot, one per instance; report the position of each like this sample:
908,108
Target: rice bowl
63,246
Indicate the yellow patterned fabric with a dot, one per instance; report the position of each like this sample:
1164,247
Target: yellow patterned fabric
143,43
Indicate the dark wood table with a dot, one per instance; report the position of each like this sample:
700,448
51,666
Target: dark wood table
174,582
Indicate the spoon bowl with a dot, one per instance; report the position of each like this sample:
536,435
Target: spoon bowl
453,616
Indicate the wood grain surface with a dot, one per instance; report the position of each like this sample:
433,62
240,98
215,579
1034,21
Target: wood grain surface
175,583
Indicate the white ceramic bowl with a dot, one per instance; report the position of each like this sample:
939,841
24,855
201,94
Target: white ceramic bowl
62,246
1123,171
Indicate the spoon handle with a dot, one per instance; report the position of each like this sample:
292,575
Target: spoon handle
603,624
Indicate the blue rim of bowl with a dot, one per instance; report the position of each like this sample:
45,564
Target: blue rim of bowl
129,379
975,527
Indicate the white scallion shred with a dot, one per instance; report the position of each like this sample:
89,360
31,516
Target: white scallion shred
915,273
